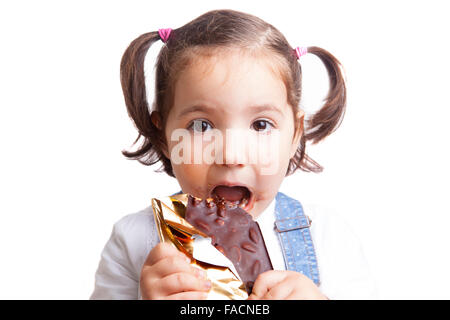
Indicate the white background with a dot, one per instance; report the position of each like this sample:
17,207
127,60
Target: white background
63,122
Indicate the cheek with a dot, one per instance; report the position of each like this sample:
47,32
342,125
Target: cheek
190,171
290,144
192,178
287,151
269,183
276,150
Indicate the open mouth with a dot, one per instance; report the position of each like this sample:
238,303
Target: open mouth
237,195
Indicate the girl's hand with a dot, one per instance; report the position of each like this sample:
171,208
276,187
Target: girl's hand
167,274
285,285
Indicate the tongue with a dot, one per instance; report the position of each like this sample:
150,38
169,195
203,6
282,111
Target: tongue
231,193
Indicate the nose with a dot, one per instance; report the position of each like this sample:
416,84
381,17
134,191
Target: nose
234,149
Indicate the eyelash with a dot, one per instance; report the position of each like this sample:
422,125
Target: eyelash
267,122
192,124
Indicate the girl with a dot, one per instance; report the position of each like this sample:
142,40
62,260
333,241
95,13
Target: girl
228,71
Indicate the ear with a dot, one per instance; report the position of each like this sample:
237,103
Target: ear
157,122
299,128
156,119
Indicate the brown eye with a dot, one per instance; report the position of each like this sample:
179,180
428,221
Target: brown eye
261,125
200,126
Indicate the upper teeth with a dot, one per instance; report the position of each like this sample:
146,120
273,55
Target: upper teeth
243,202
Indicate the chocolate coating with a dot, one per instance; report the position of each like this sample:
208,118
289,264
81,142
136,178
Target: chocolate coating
234,233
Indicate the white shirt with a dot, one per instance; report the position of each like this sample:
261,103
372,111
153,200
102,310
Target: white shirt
266,222
343,270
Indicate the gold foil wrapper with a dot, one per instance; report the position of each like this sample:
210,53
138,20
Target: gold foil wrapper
172,227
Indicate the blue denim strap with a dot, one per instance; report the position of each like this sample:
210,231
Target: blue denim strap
292,226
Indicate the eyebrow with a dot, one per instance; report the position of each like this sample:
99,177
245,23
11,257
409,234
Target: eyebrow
208,109
266,107
196,108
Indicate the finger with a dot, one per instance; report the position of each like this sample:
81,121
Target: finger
280,291
176,264
188,295
179,282
265,281
252,297
160,251
293,296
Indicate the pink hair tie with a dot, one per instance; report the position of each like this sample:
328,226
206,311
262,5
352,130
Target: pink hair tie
164,34
301,51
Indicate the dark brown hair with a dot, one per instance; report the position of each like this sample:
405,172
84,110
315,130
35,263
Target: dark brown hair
207,35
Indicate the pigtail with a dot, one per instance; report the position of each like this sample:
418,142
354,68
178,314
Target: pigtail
132,79
329,117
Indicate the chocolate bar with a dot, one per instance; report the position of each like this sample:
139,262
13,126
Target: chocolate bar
234,233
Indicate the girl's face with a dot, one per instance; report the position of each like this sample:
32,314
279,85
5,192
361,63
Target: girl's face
217,99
